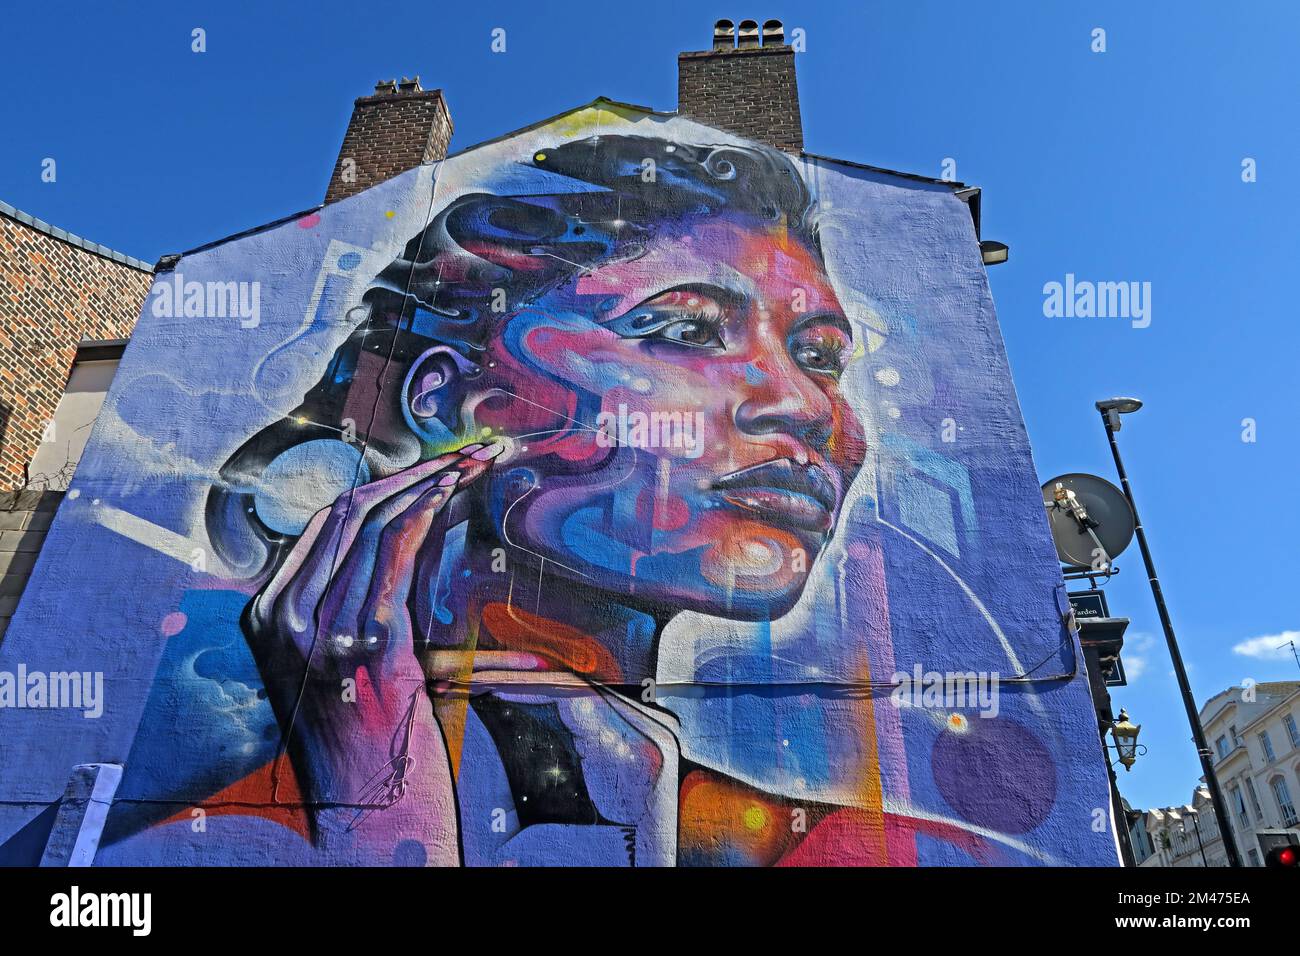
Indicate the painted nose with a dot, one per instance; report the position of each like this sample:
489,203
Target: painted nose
783,400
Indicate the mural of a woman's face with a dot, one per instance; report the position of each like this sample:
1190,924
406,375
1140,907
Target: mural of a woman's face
679,437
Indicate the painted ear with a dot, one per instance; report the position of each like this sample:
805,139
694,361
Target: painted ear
432,393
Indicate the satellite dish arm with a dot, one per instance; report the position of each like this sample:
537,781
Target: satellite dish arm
1066,500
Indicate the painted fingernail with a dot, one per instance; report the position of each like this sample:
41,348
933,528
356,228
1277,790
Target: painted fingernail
470,449
490,452
450,478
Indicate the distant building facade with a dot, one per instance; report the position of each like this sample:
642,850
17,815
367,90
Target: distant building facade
1255,735
1138,835
1185,836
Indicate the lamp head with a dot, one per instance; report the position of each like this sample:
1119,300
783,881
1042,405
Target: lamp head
1121,405
1112,408
994,252
1125,734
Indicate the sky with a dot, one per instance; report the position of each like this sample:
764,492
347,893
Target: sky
1122,165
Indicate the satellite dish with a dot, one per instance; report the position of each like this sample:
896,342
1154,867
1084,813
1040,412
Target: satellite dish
1092,522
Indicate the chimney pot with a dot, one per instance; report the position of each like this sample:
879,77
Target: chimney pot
748,34
724,35
410,84
385,86
773,33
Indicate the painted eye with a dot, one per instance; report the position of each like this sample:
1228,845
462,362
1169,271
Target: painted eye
822,355
814,356
692,332
688,315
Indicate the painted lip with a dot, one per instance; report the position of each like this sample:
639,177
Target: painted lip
799,495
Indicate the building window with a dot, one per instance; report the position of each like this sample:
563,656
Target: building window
1292,731
1209,831
91,375
1232,732
1241,806
1282,794
1267,745
1254,799
1221,745
1253,856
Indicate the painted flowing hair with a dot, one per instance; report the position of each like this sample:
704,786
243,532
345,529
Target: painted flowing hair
447,286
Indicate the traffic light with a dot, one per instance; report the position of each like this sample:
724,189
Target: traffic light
1283,853
1284,856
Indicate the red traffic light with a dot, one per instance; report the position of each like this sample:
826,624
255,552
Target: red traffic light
1284,856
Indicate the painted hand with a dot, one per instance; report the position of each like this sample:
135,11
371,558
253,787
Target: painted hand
334,635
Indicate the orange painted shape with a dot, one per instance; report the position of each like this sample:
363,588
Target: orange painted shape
252,797
517,630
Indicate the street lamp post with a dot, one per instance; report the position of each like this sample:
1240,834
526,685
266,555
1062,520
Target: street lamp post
1111,410
1196,822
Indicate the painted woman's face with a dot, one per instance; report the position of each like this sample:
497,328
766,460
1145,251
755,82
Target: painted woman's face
680,437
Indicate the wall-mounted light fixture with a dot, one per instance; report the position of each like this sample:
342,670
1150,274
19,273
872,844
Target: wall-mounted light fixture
994,252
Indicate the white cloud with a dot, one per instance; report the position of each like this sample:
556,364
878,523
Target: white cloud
1270,647
1134,655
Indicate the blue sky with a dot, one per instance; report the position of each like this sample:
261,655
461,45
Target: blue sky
1117,166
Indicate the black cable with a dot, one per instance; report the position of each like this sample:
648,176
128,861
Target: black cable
356,476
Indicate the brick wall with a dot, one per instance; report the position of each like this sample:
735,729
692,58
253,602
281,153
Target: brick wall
53,294
390,132
747,91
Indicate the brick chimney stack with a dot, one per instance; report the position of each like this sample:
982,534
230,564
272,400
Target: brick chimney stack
399,127
745,84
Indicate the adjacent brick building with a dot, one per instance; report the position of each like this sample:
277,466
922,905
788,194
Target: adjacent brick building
56,290
58,294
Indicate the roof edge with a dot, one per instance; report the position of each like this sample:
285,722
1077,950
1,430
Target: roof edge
597,102
168,262
964,191
72,239
951,183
